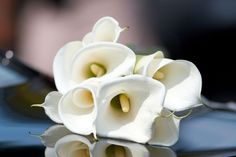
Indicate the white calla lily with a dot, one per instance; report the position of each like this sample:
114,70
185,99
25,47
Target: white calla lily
115,148
105,29
62,65
182,80
102,60
166,129
78,109
127,104
74,146
50,106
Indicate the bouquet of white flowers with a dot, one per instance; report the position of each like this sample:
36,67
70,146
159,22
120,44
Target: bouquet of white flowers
106,90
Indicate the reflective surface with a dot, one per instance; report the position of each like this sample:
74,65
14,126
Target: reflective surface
205,133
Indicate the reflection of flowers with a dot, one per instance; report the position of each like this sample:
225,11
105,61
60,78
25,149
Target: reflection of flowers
68,144
104,89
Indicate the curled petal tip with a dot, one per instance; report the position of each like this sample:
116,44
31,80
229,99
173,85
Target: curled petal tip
125,28
78,109
37,105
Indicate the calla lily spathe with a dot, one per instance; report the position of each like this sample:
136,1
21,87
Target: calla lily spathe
105,29
127,104
182,80
62,65
50,106
165,129
103,60
78,109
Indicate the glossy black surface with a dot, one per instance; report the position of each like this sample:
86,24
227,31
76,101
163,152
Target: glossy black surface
205,133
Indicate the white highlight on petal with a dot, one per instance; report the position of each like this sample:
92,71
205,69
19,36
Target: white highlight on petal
166,130
62,65
116,60
145,97
78,109
50,106
74,146
105,29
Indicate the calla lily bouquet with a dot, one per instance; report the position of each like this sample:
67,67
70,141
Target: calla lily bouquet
106,90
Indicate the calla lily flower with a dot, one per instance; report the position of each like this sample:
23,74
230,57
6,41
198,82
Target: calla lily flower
182,80
51,106
166,129
103,60
105,29
78,109
127,104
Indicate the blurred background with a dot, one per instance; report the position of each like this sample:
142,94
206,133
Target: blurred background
202,31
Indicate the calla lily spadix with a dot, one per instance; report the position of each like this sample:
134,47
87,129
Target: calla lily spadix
166,129
103,60
105,29
182,80
78,109
50,106
127,104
